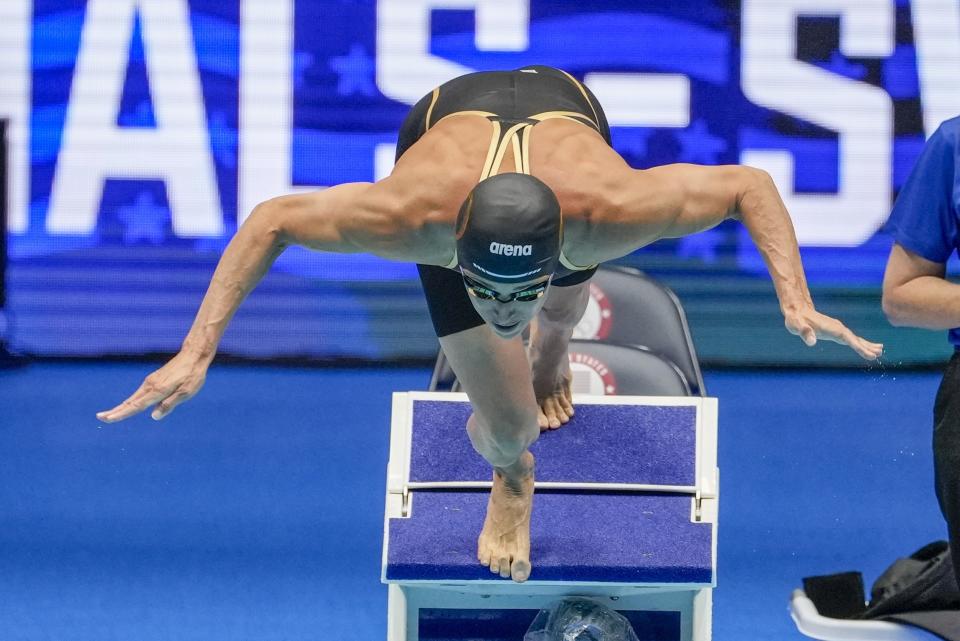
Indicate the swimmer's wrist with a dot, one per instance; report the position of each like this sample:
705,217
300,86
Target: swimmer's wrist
794,296
796,306
201,350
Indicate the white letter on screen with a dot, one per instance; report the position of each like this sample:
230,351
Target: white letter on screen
15,16
936,36
94,148
642,99
861,114
266,103
407,71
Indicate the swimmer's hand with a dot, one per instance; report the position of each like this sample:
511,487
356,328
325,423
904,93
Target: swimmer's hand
177,381
810,325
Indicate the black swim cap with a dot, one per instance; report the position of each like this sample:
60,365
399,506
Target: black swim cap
510,229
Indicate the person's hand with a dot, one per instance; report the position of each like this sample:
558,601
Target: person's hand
810,325
172,384
555,400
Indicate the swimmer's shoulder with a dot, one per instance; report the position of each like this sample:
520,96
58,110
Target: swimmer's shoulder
455,141
423,195
582,170
597,191
398,218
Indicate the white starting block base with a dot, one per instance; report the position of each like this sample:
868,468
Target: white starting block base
638,509
693,608
811,623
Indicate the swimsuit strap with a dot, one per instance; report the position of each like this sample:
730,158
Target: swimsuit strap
453,264
517,136
566,263
573,116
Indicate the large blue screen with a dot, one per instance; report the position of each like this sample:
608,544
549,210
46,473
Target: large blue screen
143,131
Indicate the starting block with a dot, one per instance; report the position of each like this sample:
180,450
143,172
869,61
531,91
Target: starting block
625,512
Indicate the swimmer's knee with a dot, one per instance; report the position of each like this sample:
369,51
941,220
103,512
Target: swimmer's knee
503,444
508,451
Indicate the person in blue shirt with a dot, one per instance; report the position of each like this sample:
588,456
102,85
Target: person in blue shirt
925,224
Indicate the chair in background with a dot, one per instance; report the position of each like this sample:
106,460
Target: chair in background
443,377
606,369
631,308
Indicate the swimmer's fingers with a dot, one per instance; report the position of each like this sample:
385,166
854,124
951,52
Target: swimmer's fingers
814,325
183,393
147,394
172,384
866,349
837,332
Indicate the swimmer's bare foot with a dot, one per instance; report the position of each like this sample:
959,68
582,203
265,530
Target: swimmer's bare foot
555,400
550,371
504,543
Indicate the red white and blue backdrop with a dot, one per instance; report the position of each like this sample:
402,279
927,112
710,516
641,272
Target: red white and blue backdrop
143,131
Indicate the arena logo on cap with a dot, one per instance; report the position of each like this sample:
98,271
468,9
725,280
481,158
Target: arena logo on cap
597,319
591,375
503,249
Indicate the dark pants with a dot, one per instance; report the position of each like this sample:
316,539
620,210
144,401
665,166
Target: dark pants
946,453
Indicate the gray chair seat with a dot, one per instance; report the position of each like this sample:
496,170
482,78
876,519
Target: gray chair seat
623,370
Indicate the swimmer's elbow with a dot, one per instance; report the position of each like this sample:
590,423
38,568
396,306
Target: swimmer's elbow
348,218
754,188
314,220
753,178
267,221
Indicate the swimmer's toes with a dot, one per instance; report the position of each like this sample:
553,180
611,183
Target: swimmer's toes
483,554
504,567
520,570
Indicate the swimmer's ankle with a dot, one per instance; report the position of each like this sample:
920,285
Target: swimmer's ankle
515,474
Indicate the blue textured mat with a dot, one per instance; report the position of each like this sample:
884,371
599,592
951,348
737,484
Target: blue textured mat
637,538
602,444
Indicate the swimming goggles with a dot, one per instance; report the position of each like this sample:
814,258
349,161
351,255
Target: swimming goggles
523,296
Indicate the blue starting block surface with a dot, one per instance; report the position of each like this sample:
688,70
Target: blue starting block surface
618,500
603,444
576,537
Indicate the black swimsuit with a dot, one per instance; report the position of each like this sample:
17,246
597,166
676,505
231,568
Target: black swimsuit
514,101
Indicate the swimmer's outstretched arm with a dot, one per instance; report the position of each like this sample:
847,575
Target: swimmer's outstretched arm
677,200
349,218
